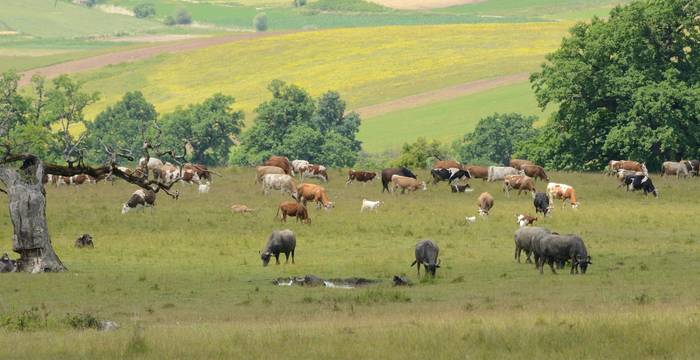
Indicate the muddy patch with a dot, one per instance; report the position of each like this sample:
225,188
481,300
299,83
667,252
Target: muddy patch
315,281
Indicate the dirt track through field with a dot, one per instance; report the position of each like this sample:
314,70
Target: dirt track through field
443,94
119,57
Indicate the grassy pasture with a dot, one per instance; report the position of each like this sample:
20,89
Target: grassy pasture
446,120
188,274
552,9
367,66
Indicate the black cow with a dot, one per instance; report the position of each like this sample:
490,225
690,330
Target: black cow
557,248
541,203
388,173
640,182
7,264
449,175
282,241
427,254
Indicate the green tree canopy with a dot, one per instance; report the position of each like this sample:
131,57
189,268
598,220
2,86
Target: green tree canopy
625,87
209,128
123,125
495,138
420,154
291,124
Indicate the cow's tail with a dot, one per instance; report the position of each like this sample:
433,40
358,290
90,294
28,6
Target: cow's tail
413,263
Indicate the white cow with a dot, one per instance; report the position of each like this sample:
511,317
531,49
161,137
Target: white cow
370,205
497,173
281,182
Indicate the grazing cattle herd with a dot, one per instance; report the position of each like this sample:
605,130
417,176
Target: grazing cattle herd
278,173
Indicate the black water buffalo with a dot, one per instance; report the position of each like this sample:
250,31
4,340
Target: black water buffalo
448,175
640,182
7,264
282,241
541,203
524,238
555,248
427,255
388,173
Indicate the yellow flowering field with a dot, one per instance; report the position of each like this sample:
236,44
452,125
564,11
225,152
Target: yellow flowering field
366,65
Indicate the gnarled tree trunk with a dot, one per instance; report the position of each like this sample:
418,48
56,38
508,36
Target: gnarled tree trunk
27,200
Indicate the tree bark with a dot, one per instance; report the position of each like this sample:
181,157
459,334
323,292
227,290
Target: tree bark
27,201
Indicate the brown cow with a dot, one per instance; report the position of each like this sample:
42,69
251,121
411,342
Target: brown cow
281,162
446,164
361,176
201,170
518,163
535,172
629,165
261,171
407,183
478,172
289,208
312,192
485,203
520,182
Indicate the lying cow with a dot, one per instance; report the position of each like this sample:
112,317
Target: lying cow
406,183
457,188
555,248
524,220
293,209
388,173
524,238
313,192
519,182
518,163
361,176
282,241
141,198
7,264
449,175
640,182
669,168
485,203
283,183
241,209
563,192
541,203
427,255
370,205
497,173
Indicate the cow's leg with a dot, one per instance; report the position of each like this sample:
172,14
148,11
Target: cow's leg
551,265
527,260
292,256
277,258
540,264
516,256
286,255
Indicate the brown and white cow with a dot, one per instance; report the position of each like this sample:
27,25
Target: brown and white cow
289,208
485,203
315,171
141,198
281,162
312,192
361,176
534,171
669,168
519,182
518,163
563,192
406,183
202,171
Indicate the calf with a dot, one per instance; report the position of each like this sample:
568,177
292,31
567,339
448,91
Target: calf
541,203
7,264
457,188
282,241
238,208
361,176
84,241
141,198
485,203
524,238
427,255
294,209
525,219
370,205
555,248
407,183
640,182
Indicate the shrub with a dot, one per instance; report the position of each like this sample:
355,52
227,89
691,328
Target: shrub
299,3
82,321
144,10
260,22
183,17
169,20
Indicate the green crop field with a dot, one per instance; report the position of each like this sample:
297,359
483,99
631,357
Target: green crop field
184,280
447,120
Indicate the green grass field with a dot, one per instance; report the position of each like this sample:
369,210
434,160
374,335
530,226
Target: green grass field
552,9
188,274
448,120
